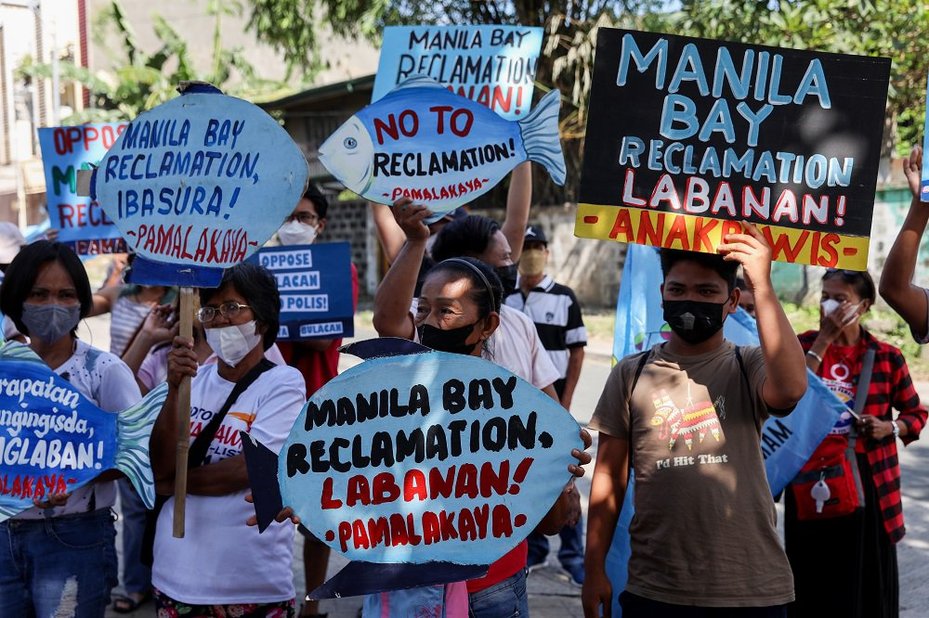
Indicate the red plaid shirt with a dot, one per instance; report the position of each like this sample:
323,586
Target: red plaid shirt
891,387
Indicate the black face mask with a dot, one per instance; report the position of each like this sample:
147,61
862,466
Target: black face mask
693,321
450,340
507,275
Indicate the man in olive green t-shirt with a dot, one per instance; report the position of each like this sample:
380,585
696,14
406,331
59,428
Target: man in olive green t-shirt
688,415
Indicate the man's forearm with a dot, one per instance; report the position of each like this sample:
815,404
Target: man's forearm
785,367
395,293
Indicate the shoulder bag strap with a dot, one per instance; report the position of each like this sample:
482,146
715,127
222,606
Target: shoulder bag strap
197,453
639,366
861,397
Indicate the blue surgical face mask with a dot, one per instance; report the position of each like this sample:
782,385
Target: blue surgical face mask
50,322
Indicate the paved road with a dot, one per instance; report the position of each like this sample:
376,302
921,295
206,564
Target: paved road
550,593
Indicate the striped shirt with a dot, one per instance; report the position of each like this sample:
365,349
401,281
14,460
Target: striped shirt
557,317
125,319
891,387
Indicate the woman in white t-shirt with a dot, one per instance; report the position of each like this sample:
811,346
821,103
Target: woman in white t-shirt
60,555
220,561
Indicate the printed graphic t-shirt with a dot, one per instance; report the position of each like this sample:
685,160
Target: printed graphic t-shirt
704,527
220,560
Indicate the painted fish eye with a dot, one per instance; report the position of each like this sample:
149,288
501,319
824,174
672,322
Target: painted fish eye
350,142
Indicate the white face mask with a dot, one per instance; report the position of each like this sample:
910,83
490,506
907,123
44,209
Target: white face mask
233,343
296,233
829,305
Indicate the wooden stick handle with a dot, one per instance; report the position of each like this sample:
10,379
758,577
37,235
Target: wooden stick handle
183,419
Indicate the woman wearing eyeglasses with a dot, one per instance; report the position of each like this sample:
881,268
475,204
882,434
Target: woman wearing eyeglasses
840,531
220,566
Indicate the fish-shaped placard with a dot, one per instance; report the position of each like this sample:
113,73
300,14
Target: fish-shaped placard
53,440
440,149
423,459
197,184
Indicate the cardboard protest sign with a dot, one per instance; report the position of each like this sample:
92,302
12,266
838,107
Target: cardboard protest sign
425,458
686,137
492,65
437,148
81,222
315,282
198,184
53,440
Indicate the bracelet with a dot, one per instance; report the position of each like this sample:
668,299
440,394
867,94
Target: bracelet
815,355
896,429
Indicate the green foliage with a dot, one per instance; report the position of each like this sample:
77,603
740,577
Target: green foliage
890,28
142,80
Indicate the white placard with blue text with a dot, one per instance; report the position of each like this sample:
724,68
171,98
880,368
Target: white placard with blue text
493,65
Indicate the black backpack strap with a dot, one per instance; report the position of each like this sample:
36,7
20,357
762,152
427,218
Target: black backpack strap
639,366
196,456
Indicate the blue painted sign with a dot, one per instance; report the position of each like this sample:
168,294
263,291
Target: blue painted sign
198,184
53,440
492,65
437,148
81,222
431,457
315,282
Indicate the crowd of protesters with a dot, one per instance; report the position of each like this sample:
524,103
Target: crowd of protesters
684,418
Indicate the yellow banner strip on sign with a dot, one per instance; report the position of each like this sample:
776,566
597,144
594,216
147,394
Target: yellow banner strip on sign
695,233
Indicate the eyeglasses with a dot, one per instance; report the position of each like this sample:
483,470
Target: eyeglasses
228,310
306,218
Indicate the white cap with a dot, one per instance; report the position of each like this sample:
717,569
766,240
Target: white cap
11,240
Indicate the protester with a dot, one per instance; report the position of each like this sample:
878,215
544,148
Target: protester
897,287
318,361
703,534
557,316
515,344
844,557
67,541
220,566
459,310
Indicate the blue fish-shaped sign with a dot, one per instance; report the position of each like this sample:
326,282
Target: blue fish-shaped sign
53,440
440,149
425,459
199,183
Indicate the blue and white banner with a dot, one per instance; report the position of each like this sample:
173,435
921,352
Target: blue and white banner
492,65
79,219
315,282
786,442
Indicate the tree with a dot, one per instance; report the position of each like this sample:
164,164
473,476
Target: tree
291,26
142,80
891,28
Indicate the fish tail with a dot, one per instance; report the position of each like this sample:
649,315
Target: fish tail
14,350
134,429
7,511
541,137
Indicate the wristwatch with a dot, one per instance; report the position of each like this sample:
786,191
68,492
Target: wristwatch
896,429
